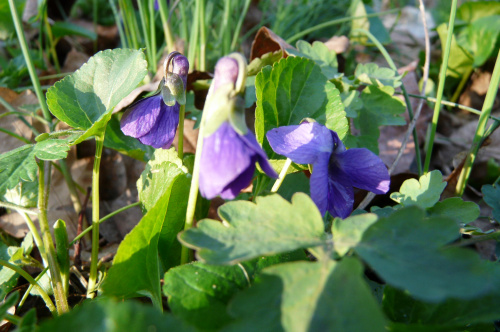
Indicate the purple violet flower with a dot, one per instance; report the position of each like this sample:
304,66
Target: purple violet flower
335,170
150,120
228,157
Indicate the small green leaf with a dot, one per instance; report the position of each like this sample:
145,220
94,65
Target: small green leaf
472,11
380,108
460,62
306,296
115,139
352,103
270,226
424,193
84,100
373,24
492,198
278,164
480,37
409,252
347,233
109,316
137,256
9,302
8,278
319,53
294,183
268,59
292,90
371,73
20,165
28,322
457,209
6,23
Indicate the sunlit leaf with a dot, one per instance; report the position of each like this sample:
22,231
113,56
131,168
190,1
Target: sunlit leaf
423,193
319,53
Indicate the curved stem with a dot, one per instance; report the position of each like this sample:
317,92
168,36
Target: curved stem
27,293
282,175
388,58
442,79
103,219
167,30
335,22
48,242
25,275
99,140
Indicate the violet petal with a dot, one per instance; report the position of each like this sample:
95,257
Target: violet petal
301,143
138,120
224,157
252,143
340,192
365,170
163,132
241,182
319,182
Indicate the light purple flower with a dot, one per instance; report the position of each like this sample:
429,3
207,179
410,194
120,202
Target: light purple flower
335,170
150,120
228,158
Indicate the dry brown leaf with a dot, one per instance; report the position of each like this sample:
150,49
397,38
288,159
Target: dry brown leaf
267,41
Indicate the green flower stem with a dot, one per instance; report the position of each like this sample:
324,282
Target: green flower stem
237,30
388,58
25,275
180,137
19,208
184,21
27,293
94,21
442,79
48,242
481,128
147,40
50,37
29,61
36,237
130,22
282,175
193,38
167,30
152,34
99,140
203,35
225,32
461,86
103,219
117,17
335,22
16,136
193,191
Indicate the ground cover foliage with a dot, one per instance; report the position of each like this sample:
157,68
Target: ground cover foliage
267,260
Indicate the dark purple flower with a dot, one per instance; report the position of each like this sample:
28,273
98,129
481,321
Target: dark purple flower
228,156
150,120
335,170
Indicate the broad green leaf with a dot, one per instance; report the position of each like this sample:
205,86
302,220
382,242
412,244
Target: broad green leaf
20,165
250,230
306,296
292,184
199,293
347,233
371,73
109,316
471,11
319,53
24,194
449,315
457,209
492,198
423,193
66,28
352,103
380,108
137,256
409,252
480,38
85,99
8,278
115,139
460,61
294,89
268,59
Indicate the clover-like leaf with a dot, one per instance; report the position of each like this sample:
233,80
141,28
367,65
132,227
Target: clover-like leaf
409,252
294,89
250,230
492,198
85,99
423,193
347,233
457,209
371,73
319,53
307,296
